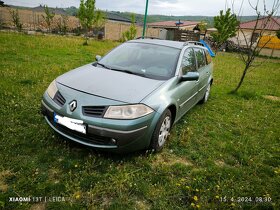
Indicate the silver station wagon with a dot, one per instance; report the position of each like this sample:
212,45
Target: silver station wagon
129,99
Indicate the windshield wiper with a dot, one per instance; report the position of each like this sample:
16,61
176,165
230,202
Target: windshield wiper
104,66
121,70
129,72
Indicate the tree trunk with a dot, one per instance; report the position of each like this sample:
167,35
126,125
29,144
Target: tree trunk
86,37
241,80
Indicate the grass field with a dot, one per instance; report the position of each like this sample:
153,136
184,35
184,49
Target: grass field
221,155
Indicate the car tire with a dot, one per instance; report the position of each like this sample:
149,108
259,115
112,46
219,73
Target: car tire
206,95
162,131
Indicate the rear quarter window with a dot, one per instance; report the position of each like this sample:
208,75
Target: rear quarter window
208,57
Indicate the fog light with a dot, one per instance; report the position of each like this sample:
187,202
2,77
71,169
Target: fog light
114,141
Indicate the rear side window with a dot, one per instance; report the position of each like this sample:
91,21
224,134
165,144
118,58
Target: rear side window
200,56
188,62
208,57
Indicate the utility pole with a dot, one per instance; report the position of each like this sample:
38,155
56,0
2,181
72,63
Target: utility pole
145,19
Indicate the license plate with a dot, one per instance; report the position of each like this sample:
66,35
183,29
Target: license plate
73,124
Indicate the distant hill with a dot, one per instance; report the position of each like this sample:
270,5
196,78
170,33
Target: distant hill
138,17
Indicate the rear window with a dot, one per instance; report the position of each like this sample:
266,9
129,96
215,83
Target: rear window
208,57
200,57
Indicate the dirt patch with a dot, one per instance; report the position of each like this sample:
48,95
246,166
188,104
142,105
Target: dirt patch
272,98
220,163
142,205
54,175
3,176
170,159
39,206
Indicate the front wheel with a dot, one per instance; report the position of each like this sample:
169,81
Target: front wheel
162,131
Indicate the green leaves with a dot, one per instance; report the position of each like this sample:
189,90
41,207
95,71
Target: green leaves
226,25
86,13
48,17
89,17
131,32
16,19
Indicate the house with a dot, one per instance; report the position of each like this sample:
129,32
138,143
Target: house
268,40
169,28
270,26
115,17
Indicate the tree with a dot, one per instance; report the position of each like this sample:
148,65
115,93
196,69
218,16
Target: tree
99,19
99,22
86,16
202,25
131,32
62,24
226,25
48,17
16,19
252,46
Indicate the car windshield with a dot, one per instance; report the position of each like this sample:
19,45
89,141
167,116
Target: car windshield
146,60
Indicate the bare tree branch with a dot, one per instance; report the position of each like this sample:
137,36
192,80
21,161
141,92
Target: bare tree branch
253,48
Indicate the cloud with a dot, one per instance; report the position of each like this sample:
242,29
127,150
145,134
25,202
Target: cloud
165,7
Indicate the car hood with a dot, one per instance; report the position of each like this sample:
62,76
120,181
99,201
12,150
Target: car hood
109,84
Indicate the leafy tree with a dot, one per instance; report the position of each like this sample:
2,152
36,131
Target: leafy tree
202,25
48,17
86,16
99,19
131,32
252,48
226,25
62,24
16,19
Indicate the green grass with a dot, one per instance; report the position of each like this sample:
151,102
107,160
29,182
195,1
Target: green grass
227,147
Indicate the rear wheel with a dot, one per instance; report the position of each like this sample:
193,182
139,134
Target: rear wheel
162,131
207,94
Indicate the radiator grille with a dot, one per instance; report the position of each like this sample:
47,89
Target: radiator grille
59,99
94,111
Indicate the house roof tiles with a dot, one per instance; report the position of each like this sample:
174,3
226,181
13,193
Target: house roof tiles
273,24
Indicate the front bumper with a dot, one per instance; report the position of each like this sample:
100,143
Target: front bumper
125,140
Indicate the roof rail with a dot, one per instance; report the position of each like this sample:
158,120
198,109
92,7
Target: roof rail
194,43
147,37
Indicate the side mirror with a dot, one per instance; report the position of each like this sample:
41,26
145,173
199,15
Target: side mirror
98,57
190,76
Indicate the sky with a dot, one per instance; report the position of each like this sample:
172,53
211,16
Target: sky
162,7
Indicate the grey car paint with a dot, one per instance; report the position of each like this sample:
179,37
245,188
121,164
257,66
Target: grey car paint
127,88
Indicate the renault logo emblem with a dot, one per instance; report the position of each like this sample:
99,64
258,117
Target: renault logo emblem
73,105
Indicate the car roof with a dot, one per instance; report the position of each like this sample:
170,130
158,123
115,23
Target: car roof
167,43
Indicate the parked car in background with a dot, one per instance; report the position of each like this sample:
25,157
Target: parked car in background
129,99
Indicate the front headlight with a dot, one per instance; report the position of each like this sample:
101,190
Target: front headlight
52,89
127,112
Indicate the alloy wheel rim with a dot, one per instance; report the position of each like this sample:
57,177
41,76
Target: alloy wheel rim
164,131
207,93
